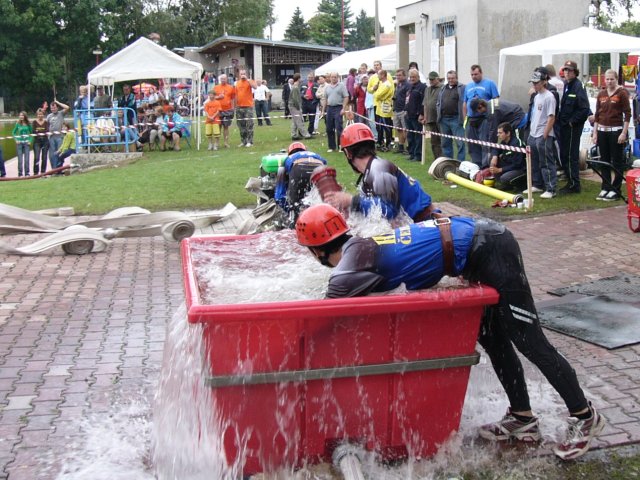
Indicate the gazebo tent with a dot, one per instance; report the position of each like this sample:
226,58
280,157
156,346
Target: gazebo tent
144,59
581,40
385,53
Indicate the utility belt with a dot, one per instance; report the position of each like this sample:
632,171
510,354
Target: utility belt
444,225
609,129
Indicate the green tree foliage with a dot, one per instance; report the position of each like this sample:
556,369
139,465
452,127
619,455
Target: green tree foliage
362,35
326,25
209,19
298,30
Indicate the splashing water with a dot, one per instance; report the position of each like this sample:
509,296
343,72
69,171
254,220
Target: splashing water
182,440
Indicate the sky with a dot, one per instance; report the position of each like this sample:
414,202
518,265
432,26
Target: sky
386,10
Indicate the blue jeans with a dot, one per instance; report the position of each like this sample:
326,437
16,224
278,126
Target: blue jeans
55,142
543,163
452,126
371,115
414,139
22,150
3,172
262,112
334,126
479,154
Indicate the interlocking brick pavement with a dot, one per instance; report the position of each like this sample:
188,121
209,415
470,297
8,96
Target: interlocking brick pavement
73,327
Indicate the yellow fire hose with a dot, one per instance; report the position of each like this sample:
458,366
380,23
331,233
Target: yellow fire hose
492,192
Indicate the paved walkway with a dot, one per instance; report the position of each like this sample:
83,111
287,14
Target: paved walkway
74,327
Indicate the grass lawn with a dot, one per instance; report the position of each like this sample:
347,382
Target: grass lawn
193,179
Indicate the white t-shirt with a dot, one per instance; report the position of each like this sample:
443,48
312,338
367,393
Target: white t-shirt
260,93
544,106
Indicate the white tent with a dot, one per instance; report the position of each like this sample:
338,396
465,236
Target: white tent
144,59
385,53
582,40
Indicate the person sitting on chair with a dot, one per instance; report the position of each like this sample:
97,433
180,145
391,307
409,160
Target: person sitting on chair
172,130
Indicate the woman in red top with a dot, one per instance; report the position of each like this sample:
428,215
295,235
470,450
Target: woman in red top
612,117
360,93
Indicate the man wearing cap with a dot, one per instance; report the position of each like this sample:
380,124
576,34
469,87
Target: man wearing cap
574,111
430,116
485,89
541,138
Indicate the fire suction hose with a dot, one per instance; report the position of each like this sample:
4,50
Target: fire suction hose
346,458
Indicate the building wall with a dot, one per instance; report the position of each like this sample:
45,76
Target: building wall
483,27
514,23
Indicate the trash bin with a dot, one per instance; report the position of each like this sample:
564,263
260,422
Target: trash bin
292,380
633,203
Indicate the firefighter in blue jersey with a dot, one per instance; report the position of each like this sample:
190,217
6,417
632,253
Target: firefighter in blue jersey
294,177
419,255
381,182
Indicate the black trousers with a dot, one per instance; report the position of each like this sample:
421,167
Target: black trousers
495,260
611,152
309,109
570,153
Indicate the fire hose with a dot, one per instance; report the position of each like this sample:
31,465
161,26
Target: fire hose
79,238
346,458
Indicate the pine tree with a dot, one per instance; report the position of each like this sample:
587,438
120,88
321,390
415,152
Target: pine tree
298,30
326,25
363,33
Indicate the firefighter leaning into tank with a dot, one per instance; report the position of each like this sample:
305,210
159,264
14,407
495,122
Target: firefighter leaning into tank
380,183
294,177
479,250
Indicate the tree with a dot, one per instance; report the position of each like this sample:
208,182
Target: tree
363,34
326,26
298,30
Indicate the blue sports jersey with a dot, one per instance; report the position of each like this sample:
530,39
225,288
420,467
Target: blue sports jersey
305,158
485,89
411,255
384,184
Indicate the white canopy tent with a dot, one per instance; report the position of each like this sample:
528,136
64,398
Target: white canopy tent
144,59
582,40
385,53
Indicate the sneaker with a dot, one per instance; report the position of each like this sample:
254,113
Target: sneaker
226,145
579,436
330,150
241,145
611,197
548,195
210,147
510,428
601,195
215,147
249,145
534,189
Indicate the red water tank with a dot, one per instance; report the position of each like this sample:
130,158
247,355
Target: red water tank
633,191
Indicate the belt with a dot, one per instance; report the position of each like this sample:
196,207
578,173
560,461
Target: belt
609,129
444,225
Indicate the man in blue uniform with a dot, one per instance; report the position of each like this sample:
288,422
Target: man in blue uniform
294,177
381,182
419,255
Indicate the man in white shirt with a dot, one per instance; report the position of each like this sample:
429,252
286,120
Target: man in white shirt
261,96
541,138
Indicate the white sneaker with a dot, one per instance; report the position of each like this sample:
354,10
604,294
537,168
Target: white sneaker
249,145
601,195
210,147
330,151
241,145
548,195
611,197
533,190
215,147
579,436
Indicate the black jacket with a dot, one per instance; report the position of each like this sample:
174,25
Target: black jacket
574,107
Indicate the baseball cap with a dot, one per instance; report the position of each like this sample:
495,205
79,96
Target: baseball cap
536,77
433,75
570,65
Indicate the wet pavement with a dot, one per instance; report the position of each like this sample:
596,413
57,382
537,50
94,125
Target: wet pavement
74,327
